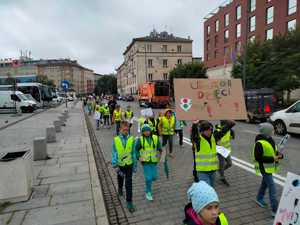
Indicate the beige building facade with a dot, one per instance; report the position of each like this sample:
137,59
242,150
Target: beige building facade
151,58
82,80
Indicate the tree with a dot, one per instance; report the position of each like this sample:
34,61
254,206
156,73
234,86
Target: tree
188,70
273,63
44,80
106,84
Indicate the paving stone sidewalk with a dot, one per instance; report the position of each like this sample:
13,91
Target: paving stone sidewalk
237,201
66,188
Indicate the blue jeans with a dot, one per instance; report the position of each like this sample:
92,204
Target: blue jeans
268,182
150,175
97,123
208,177
118,127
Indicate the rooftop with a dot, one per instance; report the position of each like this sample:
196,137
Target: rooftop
216,10
155,36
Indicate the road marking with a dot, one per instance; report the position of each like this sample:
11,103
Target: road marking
246,166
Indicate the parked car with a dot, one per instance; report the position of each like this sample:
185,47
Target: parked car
129,98
287,120
70,98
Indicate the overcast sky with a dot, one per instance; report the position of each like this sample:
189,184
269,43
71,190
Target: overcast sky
95,32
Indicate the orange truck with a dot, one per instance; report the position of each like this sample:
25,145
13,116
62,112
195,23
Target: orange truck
154,94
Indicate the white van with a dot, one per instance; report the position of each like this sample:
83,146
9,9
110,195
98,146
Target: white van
8,99
287,120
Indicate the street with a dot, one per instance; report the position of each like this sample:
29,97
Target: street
237,201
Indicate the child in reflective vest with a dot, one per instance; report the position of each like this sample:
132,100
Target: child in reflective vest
117,117
147,148
204,206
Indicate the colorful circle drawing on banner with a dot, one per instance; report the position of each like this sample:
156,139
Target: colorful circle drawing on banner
186,104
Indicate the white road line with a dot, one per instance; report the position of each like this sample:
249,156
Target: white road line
246,166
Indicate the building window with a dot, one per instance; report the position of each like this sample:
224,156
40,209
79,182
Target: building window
216,40
165,76
217,25
252,5
149,48
238,12
150,76
226,51
165,63
238,30
150,63
178,48
226,19
292,7
269,34
252,23
208,44
226,36
179,61
238,47
208,30
270,15
164,48
291,25
216,54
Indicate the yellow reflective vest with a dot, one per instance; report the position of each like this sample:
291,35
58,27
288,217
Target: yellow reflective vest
167,125
222,219
106,111
128,114
206,157
225,141
117,115
124,153
268,151
148,151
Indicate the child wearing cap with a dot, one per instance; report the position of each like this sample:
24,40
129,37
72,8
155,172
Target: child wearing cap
204,206
147,148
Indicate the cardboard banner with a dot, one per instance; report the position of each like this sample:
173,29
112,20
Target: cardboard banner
289,207
209,99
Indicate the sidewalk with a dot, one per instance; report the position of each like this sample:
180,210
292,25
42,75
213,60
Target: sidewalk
66,188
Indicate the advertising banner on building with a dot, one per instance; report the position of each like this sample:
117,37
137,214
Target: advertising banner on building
209,99
289,207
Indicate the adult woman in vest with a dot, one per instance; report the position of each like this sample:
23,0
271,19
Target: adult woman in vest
204,207
124,162
147,148
266,158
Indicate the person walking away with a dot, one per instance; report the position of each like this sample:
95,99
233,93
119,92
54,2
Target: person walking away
225,141
106,114
97,115
117,116
166,129
147,148
266,162
204,206
112,105
124,162
179,124
128,115
89,106
206,159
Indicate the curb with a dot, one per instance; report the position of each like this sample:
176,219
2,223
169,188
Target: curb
100,209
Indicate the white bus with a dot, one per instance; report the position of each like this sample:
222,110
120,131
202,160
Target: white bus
41,93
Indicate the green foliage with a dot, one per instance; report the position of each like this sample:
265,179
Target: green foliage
188,70
107,84
44,80
273,63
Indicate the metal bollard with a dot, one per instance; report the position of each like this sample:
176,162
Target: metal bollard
50,134
39,149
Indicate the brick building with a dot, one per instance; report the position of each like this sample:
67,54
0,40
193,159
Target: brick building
228,26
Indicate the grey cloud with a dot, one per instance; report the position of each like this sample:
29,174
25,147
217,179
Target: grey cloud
95,32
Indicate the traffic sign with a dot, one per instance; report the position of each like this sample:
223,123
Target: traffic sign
65,84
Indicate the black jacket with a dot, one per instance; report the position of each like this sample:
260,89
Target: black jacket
259,152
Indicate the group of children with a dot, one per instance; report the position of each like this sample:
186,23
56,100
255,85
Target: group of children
149,151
